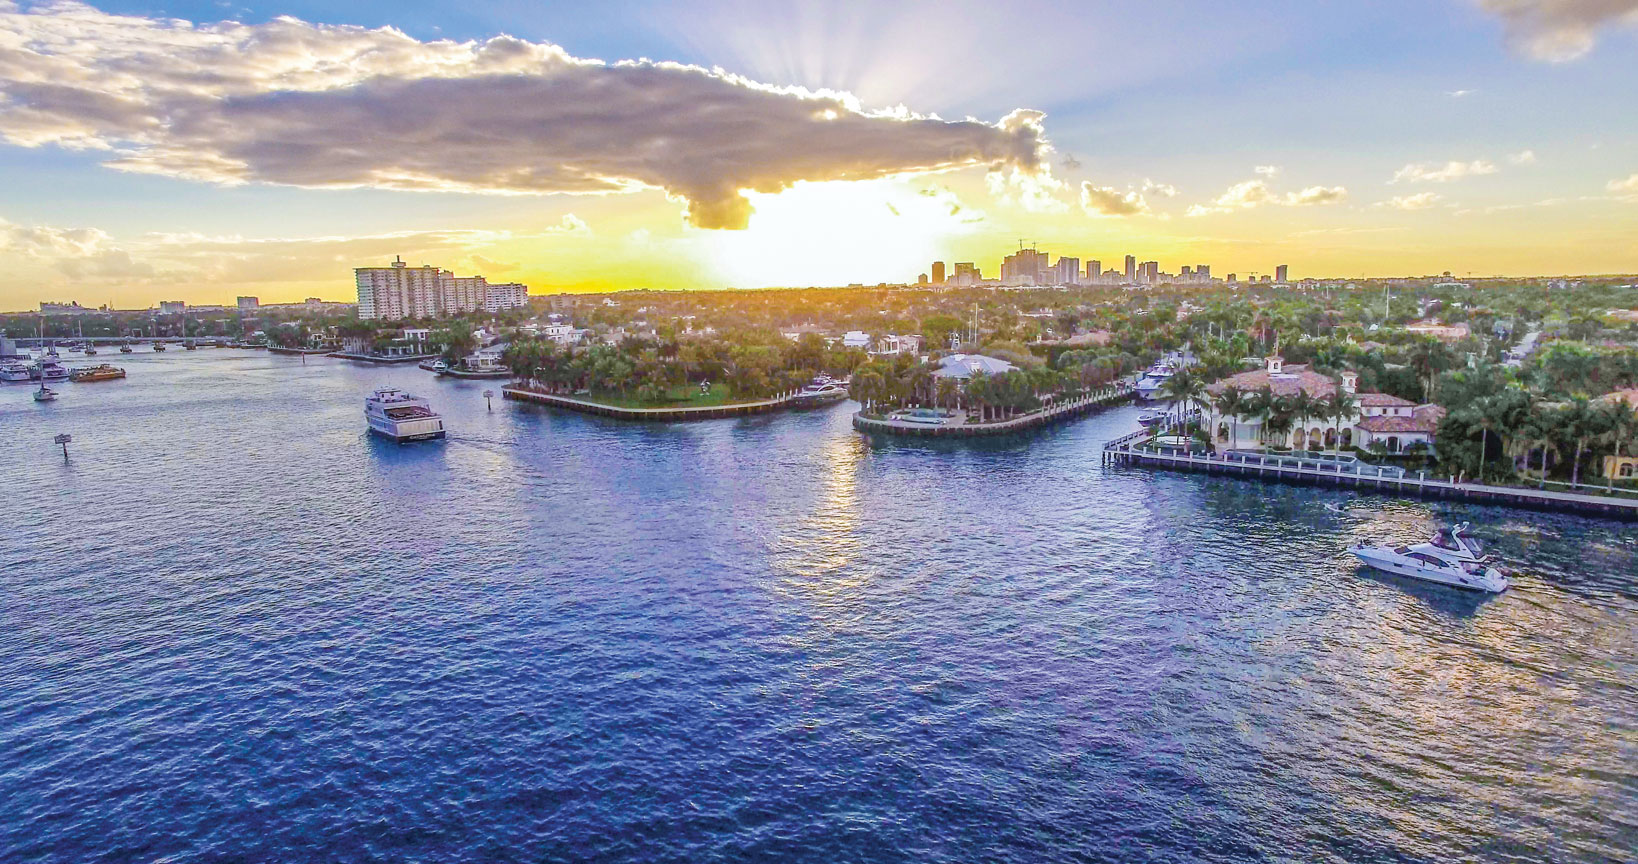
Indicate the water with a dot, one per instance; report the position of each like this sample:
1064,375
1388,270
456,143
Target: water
237,628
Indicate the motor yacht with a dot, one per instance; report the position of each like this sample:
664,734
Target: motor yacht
821,389
1449,558
15,371
398,416
1151,419
51,370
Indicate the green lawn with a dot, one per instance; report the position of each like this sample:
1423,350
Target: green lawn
677,397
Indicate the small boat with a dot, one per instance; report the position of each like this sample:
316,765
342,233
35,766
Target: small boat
102,372
400,417
44,394
90,350
1151,419
125,349
439,366
1449,558
159,346
190,345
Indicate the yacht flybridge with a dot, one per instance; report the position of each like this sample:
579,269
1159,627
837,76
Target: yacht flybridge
1450,558
397,415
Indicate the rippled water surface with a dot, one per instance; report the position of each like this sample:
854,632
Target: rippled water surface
236,628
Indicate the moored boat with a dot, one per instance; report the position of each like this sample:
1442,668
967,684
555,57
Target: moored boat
159,346
398,416
48,369
15,371
1449,558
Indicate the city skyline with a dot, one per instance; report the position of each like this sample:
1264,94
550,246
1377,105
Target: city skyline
1399,140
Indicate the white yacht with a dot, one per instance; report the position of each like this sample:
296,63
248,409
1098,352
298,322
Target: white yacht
822,389
1450,558
1148,387
13,370
44,394
397,415
51,370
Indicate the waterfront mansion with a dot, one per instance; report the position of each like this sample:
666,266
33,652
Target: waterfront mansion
1376,417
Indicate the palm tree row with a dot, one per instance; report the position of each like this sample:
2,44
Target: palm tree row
1281,414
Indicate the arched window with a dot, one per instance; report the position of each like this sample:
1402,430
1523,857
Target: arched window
1393,443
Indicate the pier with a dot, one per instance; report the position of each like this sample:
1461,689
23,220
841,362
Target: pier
961,428
1129,450
662,415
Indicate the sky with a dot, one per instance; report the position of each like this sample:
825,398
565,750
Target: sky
203,150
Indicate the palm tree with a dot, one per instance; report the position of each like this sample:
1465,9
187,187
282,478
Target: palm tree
1577,421
1485,417
1231,403
949,393
1340,406
1184,389
1620,421
1281,419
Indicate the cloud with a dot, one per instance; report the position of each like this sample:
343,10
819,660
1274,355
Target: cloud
1460,94
1109,201
570,224
1559,30
1430,172
1420,201
292,103
1256,193
1627,188
1165,190
1267,170
1523,157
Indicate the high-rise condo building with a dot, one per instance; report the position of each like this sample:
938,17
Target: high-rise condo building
1131,268
401,291
1094,269
938,272
1068,271
1281,272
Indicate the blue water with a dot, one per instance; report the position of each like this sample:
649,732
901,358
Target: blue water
236,628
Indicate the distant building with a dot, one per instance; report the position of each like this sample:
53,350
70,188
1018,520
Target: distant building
249,304
938,272
72,308
1281,272
1067,271
506,295
967,274
1094,269
1202,272
921,279
856,339
1151,272
1131,268
401,291
1023,267
173,307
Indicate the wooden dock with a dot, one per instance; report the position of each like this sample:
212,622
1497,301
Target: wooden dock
1057,414
662,415
1126,450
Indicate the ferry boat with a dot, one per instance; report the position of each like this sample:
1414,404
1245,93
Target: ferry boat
397,415
15,371
1449,558
102,372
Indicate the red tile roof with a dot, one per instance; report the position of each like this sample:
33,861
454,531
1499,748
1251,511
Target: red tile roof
1292,379
1381,424
1382,400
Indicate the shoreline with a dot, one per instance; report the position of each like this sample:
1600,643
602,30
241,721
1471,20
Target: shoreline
662,415
1056,414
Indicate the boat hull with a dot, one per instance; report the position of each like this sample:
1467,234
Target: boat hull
1489,581
406,431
